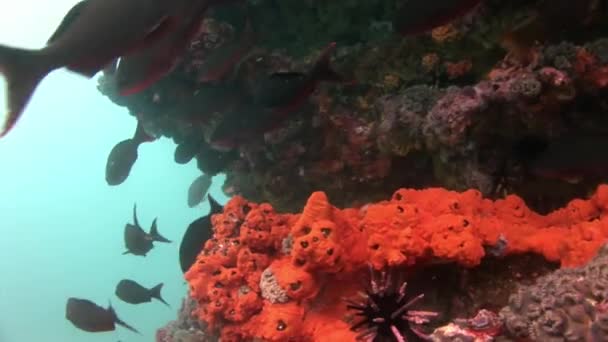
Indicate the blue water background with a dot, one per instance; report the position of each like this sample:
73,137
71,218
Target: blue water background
61,225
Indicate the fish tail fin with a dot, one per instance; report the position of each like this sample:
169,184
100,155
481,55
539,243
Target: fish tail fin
214,205
125,325
155,293
119,321
323,70
23,70
141,135
156,235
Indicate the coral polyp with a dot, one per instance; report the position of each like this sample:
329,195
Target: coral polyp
385,311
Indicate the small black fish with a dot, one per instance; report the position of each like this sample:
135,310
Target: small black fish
198,232
198,189
271,98
137,241
123,156
286,91
88,316
133,293
186,151
69,18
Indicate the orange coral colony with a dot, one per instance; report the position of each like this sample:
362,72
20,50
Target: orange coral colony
282,277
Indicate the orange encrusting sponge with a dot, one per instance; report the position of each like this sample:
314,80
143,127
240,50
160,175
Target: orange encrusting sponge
314,259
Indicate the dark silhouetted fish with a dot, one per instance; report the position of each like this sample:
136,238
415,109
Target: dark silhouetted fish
88,316
69,18
286,91
123,156
133,293
93,34
221,61
143,68
418,16
185,151
273,97
551,21
198,189
137,241
198,232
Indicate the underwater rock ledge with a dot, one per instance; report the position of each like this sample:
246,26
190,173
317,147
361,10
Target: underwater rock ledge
448,108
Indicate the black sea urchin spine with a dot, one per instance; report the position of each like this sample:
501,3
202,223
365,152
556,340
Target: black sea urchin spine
384,311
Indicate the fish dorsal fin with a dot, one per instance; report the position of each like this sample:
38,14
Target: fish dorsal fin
69,18
154,227
214,205
135,221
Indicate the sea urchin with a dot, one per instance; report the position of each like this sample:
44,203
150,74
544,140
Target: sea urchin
383,311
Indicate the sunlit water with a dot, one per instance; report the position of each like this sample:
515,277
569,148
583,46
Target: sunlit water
61,226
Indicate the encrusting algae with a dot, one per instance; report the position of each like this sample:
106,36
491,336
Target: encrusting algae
313,260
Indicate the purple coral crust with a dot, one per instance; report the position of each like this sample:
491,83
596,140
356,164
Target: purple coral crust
567,305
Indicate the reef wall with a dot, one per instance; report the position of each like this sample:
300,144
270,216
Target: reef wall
283,277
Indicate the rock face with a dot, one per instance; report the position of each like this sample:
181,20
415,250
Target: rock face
450,107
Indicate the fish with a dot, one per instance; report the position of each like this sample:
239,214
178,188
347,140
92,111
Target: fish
269,101
221,61
88,316
550,22
186,151
137,241
197,233
91,36
68,19
284,92
133,293
419,16
198,189
143,68
123,155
